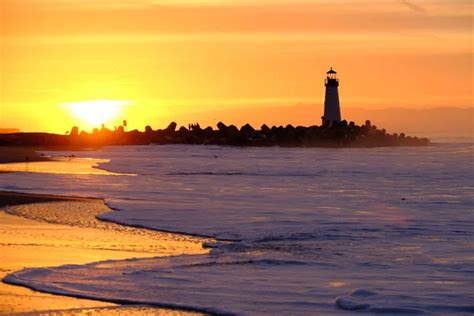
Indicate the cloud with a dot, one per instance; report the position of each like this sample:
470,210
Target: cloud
412,6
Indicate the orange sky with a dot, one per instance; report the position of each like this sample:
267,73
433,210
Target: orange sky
181,60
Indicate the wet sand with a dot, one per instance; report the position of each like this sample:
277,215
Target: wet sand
40,231
59,165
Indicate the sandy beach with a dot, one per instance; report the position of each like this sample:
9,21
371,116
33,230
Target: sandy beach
36,232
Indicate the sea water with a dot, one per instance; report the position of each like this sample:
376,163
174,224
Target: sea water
297,230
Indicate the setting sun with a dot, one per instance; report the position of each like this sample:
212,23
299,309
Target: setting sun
96,112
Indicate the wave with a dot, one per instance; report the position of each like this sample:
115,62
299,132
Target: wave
255,262
264,174
212,173
374,302
331,223
22,278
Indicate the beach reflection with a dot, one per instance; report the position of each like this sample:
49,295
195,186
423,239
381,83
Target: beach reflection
119,311
67,231
63,165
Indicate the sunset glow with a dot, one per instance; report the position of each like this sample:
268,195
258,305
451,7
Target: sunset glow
207,61
239,157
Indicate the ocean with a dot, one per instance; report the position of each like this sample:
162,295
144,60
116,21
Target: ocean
298,231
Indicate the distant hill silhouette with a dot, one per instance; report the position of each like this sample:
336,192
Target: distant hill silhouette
9,130
436,120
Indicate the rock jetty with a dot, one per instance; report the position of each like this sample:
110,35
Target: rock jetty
336,134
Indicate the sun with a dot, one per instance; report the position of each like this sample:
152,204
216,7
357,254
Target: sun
96,112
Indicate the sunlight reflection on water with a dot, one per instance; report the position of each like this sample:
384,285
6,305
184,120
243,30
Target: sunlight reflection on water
63,165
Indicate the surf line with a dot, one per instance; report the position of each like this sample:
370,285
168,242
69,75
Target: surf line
105,240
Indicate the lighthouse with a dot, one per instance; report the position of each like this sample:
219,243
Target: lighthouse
332,110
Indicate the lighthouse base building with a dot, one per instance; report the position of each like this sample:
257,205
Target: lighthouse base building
332,109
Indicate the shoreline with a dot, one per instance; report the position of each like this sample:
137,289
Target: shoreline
30,228
292,260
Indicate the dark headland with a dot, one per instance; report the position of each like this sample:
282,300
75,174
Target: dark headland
336,134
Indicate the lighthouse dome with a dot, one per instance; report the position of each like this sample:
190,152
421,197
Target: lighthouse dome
331,71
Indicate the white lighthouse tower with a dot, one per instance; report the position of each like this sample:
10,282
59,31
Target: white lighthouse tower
332,110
